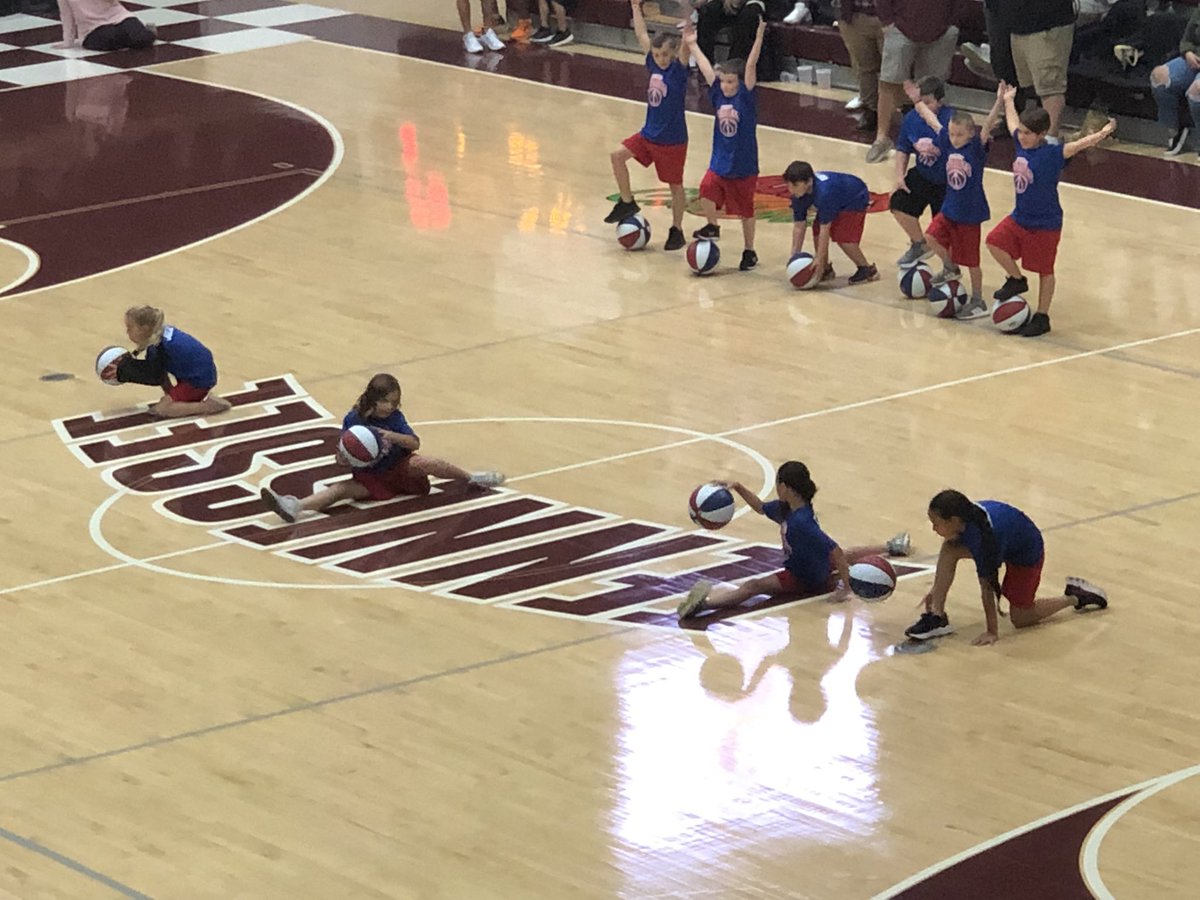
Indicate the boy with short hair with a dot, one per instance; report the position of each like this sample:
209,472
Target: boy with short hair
924,185
841,201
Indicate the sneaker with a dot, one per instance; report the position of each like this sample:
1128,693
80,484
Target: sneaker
675,239
900,545
1011,287
622,209
879,150
863,274
917,251
486,479
978,60
948,273
1178,142
708,232
542,36
930,625
749,261
973,308
472,43
799,15
854,103
523,32
285,506
490,40
1035,327
560,39
694,601
1086,594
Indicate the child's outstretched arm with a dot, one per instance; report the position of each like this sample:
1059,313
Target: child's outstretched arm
927,114
750,498
702,63
685,52
993,116
1011,119
841,568
639,26
1090,141
799,229
750,79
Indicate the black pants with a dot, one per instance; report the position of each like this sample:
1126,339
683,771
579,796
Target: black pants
743,24
128,34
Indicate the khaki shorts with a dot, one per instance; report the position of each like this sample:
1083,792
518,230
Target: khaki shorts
904,59
1041,59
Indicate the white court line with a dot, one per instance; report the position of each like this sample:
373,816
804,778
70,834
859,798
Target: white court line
33,262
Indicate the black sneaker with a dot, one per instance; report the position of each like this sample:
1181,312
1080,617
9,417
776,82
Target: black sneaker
863,274
708,232
1086,594
930,625
560,39
622,209
749,260
1177,143
542,36
1035,327
675,239
1011,287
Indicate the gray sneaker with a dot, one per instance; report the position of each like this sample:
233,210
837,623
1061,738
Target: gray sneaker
917,251
948,273
694,601
879,150
285,506
900,545
486,479
973,308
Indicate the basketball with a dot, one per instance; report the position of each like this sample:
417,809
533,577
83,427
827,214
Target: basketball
703,255
872,578
1011,314
914,281
359,446
947,299
633,233
710,506
106,364
802,271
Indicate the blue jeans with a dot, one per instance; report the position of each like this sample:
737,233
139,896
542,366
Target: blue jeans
1180,77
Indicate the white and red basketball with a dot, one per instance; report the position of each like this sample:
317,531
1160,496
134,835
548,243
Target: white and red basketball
1011,314
106,364
914,280
947,299
802,271
711,506
872,578
703,255
359,446
633,232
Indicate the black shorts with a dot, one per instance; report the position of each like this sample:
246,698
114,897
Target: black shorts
921,193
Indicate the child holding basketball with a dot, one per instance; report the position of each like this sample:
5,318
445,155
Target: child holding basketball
841,201
813,561
924,185
399,469
954,232
732,174
663,139
993,533
170,353
1032,232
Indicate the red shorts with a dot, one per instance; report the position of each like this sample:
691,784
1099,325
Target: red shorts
1021,583
668,159
1037,249
793,585
734,195
846,228
182,392
961,240
401,478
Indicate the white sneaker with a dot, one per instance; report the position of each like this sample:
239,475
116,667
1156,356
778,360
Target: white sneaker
486,479
798,14
285,506
694,601
973,308
900,545
472,43
491,41
854,103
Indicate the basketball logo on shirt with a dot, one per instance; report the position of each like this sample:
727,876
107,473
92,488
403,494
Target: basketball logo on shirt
656,90
1022,174
927,151
727,120
958,170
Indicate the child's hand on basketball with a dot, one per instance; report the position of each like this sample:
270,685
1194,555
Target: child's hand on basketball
986,639
385,440
841,594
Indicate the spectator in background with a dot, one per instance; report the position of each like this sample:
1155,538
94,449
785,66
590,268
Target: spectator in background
1178,78
101,25
919,39
863,36
1041,32
742,17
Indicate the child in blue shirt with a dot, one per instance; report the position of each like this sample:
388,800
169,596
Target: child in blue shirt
841,201
924,185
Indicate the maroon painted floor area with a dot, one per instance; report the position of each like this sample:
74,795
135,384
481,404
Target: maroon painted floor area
1173,182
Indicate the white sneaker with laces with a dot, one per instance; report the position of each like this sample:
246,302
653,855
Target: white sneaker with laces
285,506
491,41
471,43
486,479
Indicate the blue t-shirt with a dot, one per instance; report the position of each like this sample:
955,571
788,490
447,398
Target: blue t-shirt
1017,538
832,193
965,201
806,547
1035,176
918,140
395,422
665,121
735,143
186,358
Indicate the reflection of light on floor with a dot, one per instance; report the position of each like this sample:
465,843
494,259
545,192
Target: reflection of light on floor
720,742
460,144
560,214
428,196
523,151
528,220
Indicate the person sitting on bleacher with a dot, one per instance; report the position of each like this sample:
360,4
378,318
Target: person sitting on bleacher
1178,78
101,25
742,17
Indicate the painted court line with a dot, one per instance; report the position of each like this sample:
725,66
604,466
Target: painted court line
85,871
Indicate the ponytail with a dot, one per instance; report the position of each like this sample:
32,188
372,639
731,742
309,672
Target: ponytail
795,475
377,389
950,504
